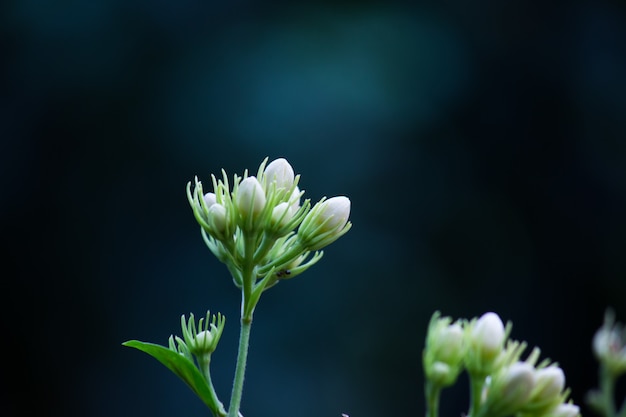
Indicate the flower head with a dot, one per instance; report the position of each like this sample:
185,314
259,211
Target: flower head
202,340
609,345
280,172
488,335
485,341
263,221
548,390
444,351
217,220
213,211
250,199
325,223
281,215
510,389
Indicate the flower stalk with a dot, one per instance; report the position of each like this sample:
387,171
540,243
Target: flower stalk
257,227
609,347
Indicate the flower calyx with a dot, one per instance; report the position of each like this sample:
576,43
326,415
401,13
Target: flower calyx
203,339
444,350
326,222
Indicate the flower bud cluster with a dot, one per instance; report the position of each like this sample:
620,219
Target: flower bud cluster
521,387
198,341
507,384
609,345
444,351
326,222
485,341
262,221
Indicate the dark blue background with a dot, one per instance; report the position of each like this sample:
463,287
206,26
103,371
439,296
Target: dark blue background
482,145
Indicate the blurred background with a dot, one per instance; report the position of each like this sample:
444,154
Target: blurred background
482,145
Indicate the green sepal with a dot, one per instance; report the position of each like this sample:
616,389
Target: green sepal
184,369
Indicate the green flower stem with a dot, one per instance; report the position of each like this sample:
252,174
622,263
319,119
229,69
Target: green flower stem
204,363
267,242
607,388
248,274
432,399
240,370
476,387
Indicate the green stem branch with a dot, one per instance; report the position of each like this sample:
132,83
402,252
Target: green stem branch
249,276
204,363
240,370
432,399
476,387
607,388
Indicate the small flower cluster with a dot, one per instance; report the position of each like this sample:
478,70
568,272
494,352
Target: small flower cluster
260,224
200,341
501,383
609,347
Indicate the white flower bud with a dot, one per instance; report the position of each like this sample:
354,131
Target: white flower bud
609,345
217,218
335,212
488,336
281,215
209,199
441,374
280,172
444,346
511,389
250,198
449,341
202,341
518,383
549,383
326,222
601,342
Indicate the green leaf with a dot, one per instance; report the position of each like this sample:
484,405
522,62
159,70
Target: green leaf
184,369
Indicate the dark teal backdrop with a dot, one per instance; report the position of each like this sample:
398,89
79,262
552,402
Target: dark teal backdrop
482,145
